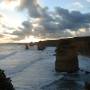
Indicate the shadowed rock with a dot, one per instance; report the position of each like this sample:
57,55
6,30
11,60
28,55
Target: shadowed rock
41,45
81,43
26,47
5,83
66,57
87,86
66,52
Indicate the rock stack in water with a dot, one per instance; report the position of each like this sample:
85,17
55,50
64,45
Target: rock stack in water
66,57
5,83
41,45
87,86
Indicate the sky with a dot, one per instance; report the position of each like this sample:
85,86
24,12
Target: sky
34,20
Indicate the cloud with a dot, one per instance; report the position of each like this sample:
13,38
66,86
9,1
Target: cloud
76,6
73,20
1,35
32,6
1,16
62,20
59,23
7,38
8,1
83,32
21,32
43,23
1,0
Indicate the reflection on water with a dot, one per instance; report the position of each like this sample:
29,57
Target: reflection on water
10,47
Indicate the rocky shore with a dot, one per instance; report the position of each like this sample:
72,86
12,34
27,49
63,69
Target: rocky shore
5,83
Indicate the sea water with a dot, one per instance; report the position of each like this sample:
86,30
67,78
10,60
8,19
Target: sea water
35,70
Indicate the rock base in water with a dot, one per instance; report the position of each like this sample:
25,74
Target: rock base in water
87,86
67,65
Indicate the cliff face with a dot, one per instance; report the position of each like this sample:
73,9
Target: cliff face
5,83
81,44
48,43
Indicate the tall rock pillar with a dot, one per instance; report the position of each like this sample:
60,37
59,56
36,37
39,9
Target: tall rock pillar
66,57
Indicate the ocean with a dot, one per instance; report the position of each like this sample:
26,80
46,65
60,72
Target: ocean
35,70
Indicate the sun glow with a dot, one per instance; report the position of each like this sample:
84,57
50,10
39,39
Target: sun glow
9,5
30,39
10,21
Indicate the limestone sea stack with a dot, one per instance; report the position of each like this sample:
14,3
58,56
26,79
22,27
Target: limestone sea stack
66,57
